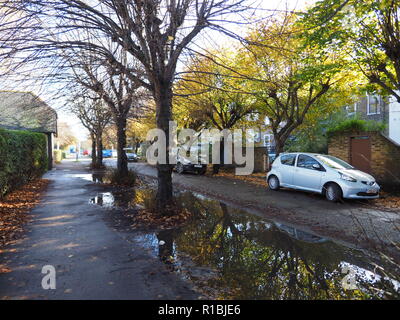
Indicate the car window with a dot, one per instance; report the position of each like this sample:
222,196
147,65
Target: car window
334,162
307,162
288,159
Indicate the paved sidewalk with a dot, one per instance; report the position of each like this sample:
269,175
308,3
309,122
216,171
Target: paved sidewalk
92,260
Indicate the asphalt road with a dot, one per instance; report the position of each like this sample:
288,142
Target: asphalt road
353,222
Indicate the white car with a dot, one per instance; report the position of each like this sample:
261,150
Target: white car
322,174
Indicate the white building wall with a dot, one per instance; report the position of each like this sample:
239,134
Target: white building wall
394,120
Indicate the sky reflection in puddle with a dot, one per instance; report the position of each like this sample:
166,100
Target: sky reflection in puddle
91,177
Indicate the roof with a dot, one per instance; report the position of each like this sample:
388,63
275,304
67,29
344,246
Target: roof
306,153
26,111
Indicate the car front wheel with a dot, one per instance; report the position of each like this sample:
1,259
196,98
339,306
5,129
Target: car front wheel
273,183
333,192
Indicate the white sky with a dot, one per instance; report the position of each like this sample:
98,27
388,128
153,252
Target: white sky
47,94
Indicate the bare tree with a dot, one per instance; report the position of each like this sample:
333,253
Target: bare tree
153,32
95,117
113,87
15,26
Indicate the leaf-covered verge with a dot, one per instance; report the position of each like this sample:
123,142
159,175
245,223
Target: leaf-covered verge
23,158
14,210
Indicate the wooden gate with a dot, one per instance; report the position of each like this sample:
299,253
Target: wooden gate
360,153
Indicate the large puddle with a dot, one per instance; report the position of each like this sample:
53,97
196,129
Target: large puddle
229,253
94,177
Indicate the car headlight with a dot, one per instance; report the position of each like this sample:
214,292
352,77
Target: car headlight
346,177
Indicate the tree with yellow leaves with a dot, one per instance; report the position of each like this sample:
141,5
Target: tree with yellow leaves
137,129
210,94
292,83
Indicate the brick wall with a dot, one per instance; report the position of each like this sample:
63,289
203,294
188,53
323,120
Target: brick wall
385,154
260,159
339,146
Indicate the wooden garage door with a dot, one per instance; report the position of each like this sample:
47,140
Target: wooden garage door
361,153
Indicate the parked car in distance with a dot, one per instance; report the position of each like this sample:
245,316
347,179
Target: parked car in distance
132,157
184,164
322,174
107,154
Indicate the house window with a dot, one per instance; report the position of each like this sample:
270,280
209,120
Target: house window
267,140
373,106
351,109
269,143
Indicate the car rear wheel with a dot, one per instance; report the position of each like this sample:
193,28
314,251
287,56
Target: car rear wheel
202,171
273,183
333,192
179,168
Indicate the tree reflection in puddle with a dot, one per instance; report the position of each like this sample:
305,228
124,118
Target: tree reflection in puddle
97,177
242,256
127,198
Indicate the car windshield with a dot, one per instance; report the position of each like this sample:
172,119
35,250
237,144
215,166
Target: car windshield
334,163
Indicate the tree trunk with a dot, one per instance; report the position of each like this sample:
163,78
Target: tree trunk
99,162
279,144
216,167
137,145
164,196
281,138
122,160
94,156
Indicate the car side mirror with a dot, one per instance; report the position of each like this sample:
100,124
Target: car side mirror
316,166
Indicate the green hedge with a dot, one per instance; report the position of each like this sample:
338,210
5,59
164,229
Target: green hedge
357,125
23,157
